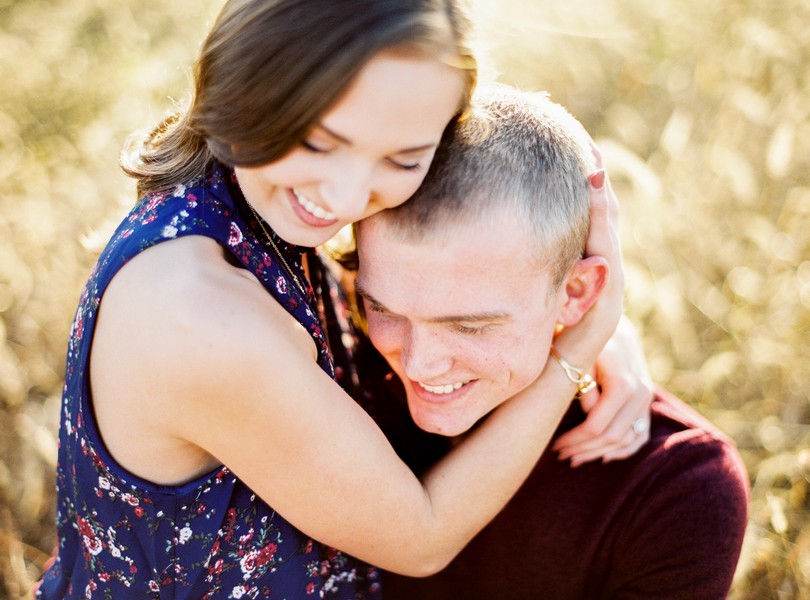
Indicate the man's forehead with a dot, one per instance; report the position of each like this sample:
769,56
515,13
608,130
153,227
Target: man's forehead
498,246
434,284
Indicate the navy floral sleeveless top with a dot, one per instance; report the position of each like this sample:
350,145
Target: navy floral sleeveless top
124,537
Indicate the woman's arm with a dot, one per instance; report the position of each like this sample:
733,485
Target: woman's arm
213,363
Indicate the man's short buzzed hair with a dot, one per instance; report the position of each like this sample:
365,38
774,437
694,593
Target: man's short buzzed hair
517,151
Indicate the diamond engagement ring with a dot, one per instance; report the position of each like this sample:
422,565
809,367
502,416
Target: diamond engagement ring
641,425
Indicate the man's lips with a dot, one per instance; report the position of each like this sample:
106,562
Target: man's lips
440,393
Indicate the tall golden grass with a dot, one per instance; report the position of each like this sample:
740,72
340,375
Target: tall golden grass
701,109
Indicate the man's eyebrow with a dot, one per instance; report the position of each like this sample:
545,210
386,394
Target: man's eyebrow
479,317
482,317
344,140
363,293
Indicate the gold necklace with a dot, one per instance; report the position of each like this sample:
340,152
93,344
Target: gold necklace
277,251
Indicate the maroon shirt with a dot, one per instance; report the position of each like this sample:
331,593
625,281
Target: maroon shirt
667,522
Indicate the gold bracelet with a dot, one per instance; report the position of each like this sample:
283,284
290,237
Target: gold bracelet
584,382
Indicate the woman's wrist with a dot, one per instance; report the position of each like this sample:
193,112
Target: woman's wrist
581,345
579,377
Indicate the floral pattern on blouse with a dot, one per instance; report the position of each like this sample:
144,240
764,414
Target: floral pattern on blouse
124,537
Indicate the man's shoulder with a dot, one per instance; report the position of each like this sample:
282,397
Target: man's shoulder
668,408
680,436
687,462
685,507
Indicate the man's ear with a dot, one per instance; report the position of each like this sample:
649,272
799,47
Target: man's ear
582,286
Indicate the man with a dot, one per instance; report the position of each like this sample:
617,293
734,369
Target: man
464,287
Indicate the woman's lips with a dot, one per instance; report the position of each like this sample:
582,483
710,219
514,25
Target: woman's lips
309,212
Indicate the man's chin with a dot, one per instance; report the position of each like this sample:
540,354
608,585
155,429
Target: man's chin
446,425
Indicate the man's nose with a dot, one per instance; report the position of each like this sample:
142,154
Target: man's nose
424,357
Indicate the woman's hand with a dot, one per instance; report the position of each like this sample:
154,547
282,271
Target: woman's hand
619,413
582,343
618,421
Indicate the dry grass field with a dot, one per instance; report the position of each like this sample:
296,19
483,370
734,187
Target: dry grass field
701,109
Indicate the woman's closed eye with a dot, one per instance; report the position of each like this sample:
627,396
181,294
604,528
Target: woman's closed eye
317,148
406,166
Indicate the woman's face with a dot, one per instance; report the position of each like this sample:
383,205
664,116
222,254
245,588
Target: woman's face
370,151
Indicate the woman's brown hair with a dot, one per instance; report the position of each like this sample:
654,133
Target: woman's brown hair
269,69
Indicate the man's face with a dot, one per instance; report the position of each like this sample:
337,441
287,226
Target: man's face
466,322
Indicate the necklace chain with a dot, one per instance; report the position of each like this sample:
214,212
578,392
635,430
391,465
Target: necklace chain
277,251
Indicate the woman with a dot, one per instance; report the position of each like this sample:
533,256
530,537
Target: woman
204,445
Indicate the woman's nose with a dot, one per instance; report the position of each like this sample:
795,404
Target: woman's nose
349,193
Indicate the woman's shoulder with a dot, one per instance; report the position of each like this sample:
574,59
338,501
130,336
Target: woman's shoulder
180,330
191,288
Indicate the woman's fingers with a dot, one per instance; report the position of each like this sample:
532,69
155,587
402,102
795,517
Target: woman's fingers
599,242
603,235
619,413
615,428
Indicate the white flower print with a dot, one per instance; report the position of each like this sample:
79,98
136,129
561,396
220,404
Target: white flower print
169,231
93,545
185,534
281,285
235,236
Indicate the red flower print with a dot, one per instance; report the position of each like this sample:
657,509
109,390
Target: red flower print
84,527
244,539
266,554
217,568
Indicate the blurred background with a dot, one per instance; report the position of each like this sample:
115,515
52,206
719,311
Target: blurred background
701,110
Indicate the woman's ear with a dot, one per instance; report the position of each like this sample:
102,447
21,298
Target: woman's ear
581,288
